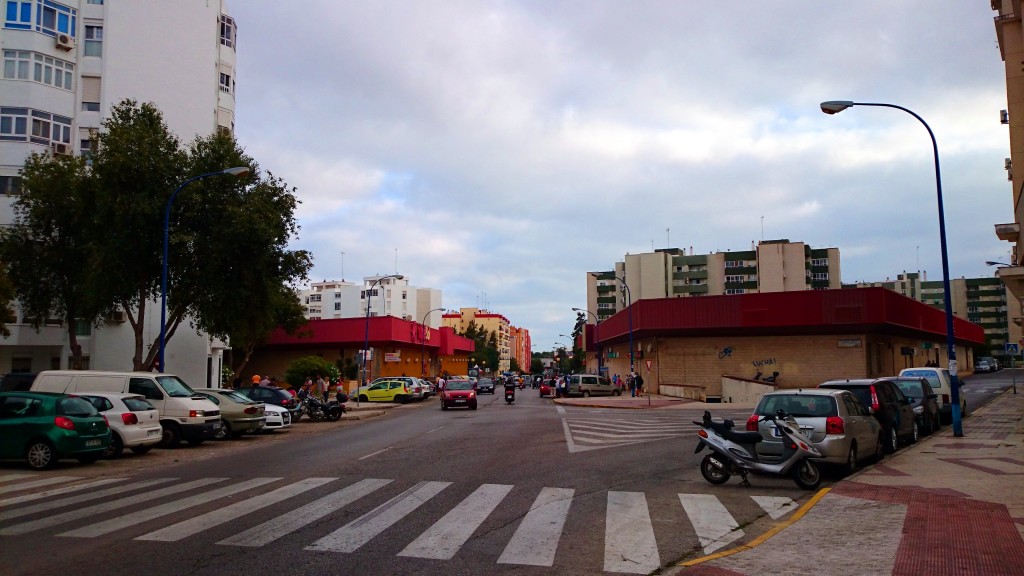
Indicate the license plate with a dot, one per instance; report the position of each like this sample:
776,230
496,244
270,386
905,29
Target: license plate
459,401
805,430
152,432
93,442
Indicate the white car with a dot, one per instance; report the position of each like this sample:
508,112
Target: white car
134,422
277,417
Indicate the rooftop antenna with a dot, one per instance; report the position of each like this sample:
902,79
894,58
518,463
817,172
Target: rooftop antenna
396,260
342,265
668,239
762,228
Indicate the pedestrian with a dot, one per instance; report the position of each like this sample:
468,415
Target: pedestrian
265,381
255,380
631,381
639,384
318,386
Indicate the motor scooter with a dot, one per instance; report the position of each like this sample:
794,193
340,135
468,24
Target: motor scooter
510,393
735,452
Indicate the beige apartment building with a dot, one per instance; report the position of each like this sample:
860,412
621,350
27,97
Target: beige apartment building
769,266
484,320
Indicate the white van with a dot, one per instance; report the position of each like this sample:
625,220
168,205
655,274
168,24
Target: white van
940,382
184,414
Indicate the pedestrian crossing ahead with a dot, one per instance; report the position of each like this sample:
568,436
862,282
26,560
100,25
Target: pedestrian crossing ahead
120,508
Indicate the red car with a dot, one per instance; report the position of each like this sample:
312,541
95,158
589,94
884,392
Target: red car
547,388
458,393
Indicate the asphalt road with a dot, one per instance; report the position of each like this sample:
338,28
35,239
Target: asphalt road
527,488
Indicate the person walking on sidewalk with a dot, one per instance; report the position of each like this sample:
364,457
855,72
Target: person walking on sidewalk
639,380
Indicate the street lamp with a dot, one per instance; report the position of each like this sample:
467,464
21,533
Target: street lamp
366,338
834,106
629,306
596,322
238,171
423,343
994,263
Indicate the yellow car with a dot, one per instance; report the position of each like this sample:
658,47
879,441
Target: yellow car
385,391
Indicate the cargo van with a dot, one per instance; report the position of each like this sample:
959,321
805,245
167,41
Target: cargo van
942,386
184,414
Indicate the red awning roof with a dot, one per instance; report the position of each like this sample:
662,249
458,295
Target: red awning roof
379,330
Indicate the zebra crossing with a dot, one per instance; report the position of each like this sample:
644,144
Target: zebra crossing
100,508
611,429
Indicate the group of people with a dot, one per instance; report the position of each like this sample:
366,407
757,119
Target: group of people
634,381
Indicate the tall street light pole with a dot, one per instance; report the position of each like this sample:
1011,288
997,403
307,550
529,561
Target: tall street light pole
629,306
423,342
596,322
366,337
835,106
238,171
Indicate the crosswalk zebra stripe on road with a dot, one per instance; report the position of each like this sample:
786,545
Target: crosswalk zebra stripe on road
10,477
228,513
286,524
629,544
58,491
535,541
714,525
442,540
60,503
350,537
38,483
775,506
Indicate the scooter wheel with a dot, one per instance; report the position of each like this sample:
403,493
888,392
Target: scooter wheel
712,472
807,475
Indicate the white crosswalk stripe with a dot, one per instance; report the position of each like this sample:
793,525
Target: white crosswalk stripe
584,433
57,491
630,544
38,483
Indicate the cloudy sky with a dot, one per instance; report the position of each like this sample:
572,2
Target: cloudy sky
499,150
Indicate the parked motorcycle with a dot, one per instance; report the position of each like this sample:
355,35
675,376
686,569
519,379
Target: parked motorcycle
736,453
319,410
510,393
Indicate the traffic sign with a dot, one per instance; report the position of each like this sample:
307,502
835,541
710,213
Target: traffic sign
1012,349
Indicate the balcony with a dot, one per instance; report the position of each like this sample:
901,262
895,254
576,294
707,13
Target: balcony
1008,232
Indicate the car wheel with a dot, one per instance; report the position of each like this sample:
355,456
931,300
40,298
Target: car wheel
444,406
892,441
171,436
334,414
616,393
879,448
141,449
473,407
851,459
40,455
916,434
935,424
712,472
116,446
586,393
363,398
807,475
223,432
90,458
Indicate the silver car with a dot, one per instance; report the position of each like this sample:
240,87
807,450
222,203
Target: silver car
837,422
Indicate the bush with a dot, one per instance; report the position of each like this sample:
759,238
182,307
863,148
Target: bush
309,367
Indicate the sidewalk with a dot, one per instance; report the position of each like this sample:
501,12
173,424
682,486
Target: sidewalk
944,506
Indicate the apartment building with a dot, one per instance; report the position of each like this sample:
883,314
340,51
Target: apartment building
986,302
489,321
770,266
66,63
390,297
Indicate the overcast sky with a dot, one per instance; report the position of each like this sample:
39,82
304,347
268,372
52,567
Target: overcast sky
498,151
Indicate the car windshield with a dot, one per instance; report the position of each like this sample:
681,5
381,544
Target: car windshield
460,385
137,404
240,398
797,405
911,389
927,374
75,406
175,387
485,382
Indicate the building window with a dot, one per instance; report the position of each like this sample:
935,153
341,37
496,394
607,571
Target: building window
337,305
14,124
733,263
225,83
228,31
819,262
95,2
19,15
314,298
10,185
820,276
94,41
16,64
53,18
53,72
50,128
90,106
734,278
735,291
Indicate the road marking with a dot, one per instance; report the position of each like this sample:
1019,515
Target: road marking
775,506
43,506
139,516
442,540
714,525
560,409
58,491
228,513
434,429
536,539
350,537
38,483
287,523
100,508
9,477
629,544
374,453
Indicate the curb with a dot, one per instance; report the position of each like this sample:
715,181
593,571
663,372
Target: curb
363,414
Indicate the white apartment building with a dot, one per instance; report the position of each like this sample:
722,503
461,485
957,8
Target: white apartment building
66,62
390,297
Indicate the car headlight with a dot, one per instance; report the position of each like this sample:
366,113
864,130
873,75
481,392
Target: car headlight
918,409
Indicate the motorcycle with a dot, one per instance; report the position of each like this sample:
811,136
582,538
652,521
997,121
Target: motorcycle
736,453
510,393
319,410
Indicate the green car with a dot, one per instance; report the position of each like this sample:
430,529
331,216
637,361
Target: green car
44,427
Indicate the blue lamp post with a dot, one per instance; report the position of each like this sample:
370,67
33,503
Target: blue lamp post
366,338
629,306
835,106
238,171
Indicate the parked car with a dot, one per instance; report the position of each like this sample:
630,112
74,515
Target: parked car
982,366
239,414
387,390
942,385
44,427
277,417
888,405
485,385
17,382
134,422
838,424
591,385
275,396
413,385
991,363
428,388
923,401
458,393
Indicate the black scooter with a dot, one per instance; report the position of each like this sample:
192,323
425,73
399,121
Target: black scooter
510,393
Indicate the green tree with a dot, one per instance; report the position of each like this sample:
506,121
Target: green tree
309,367
48,253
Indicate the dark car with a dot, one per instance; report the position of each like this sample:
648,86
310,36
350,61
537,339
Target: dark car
17,382
888,405
485,385
275,396
923,400
44,427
